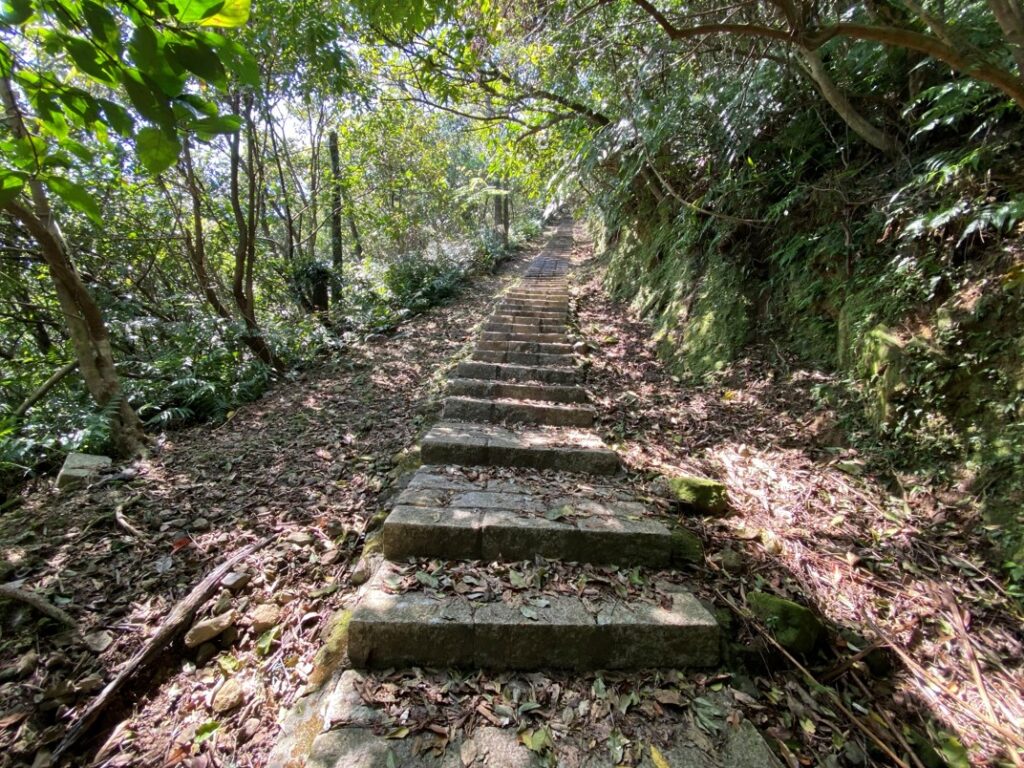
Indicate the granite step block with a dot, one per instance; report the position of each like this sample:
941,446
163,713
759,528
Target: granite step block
524,358
470,369
547,348
422,628
540,338
562,448
484,388
516,412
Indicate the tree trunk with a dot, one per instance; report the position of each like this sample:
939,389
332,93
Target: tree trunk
337,255
859,124
84,319
245,248
1010,17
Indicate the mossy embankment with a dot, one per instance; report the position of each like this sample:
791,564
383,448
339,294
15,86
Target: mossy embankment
916,300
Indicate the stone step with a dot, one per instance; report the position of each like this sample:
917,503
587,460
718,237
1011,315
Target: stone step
523,358
470,369
543,338
561,297
421,627
552,306
436,518
528,317
537,327
531,309
552,393
547,348
542,314
561,448
516,411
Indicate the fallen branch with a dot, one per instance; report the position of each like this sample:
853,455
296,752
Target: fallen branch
45,387
40,604
178,618
123,521
836,699
935,685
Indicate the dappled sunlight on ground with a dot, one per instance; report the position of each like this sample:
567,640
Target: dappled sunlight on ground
821,517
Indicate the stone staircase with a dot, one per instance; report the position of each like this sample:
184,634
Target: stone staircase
516,406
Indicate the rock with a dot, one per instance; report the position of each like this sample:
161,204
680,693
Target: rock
333,650
330,557
360,573
300,538
207,629
236,580
206,652
708,497
686,547
249,729
335,528
264,617
581,348
228,637
23,667
200,524
222,604
98,642
732,561
795,627
79,467
228,696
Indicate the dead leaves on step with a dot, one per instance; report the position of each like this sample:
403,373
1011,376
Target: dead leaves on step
565,718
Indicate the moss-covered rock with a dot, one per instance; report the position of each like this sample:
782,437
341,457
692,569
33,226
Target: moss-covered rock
686,547
331,653
708,497
795,627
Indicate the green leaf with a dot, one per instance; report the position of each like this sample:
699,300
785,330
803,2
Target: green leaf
266,641
117,117
150,102
101,23
87,58
205,731
11,185
233,13
157,149
199,59
15,12
76,196
216,125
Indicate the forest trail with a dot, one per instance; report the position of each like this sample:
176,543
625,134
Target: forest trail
517,546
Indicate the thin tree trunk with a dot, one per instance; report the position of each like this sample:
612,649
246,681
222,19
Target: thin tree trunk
195,241
1010,17
84,319
245,248
337,255
859,124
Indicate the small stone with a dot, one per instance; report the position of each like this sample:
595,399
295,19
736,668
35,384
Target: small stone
330,557
707,497
236,580
222,604
200,524
335,528
264,617
23,667
229,696
300,538
207,629
360,573
79,467
98,642
249,729
228,637
89,684
795,627
731,560
285,597
205,652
